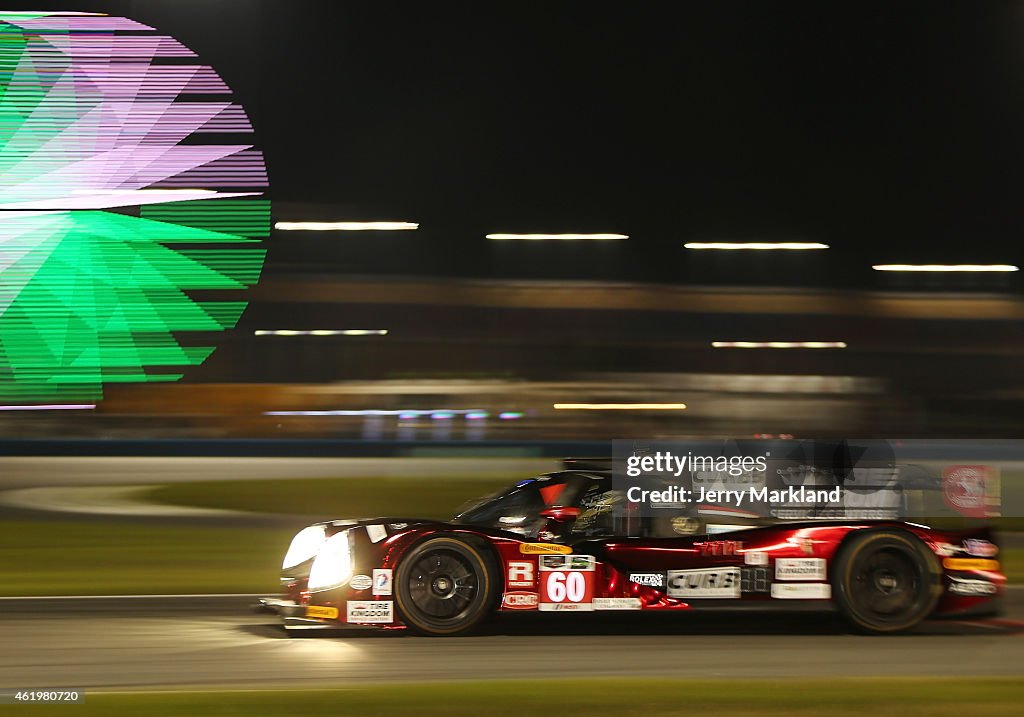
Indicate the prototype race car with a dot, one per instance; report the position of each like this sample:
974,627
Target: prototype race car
554,543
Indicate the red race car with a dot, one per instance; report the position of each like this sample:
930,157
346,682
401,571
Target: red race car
555,543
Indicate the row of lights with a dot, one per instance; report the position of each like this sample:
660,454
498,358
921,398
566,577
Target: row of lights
778,344
718,246
435,414
320,332
714,344
476,414
472,414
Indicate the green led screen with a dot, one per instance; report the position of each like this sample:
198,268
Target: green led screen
128,188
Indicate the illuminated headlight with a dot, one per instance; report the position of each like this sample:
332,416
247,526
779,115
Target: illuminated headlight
333,564
304,546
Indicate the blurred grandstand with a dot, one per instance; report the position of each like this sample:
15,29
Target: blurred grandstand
487,358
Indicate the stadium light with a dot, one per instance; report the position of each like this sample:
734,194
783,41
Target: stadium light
51,407
763,246
944,267
320,332
558,237
619,406
403,414
779,344
345,226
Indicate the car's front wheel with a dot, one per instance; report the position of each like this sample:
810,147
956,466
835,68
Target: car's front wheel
445,586
886,581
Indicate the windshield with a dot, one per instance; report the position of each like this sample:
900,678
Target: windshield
518,509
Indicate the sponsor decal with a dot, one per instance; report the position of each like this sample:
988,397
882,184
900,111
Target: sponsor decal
755,557
755,579
617,603
541,548
651,580
944,550
964,489
980,548
800,569
377,533
801,591
361,582
720,547
519,600
322,612
706,583
520,574
970,564
565,606
567,582
806,545
567,562
369,611
382,581
972,588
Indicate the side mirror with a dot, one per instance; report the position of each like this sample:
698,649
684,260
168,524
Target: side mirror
561,514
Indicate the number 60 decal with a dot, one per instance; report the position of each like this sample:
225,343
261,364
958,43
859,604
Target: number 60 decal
566,587
567,582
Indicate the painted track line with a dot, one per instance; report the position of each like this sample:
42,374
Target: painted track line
268,593
138,597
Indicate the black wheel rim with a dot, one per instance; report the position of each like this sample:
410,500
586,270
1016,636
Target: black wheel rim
887,584
442,584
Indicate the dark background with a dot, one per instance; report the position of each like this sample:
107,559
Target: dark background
891,131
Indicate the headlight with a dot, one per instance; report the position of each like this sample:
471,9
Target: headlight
333,564
304,546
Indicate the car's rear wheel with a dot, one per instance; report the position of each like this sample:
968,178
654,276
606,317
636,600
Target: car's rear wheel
886,581
445,586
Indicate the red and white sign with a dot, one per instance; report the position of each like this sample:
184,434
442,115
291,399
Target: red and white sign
519,600
965,489
980,548
566,582
519,574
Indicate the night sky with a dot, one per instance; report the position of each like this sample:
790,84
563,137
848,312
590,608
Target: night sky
892,131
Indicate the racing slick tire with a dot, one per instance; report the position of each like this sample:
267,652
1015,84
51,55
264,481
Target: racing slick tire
886,581
445,586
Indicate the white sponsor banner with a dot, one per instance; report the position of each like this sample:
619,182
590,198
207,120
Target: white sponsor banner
801,591
704,583
369,611
382,581
565,606
800,569
974,588
619,603
755,557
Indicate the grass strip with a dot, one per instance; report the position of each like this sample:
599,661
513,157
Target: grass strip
96,558
595,697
